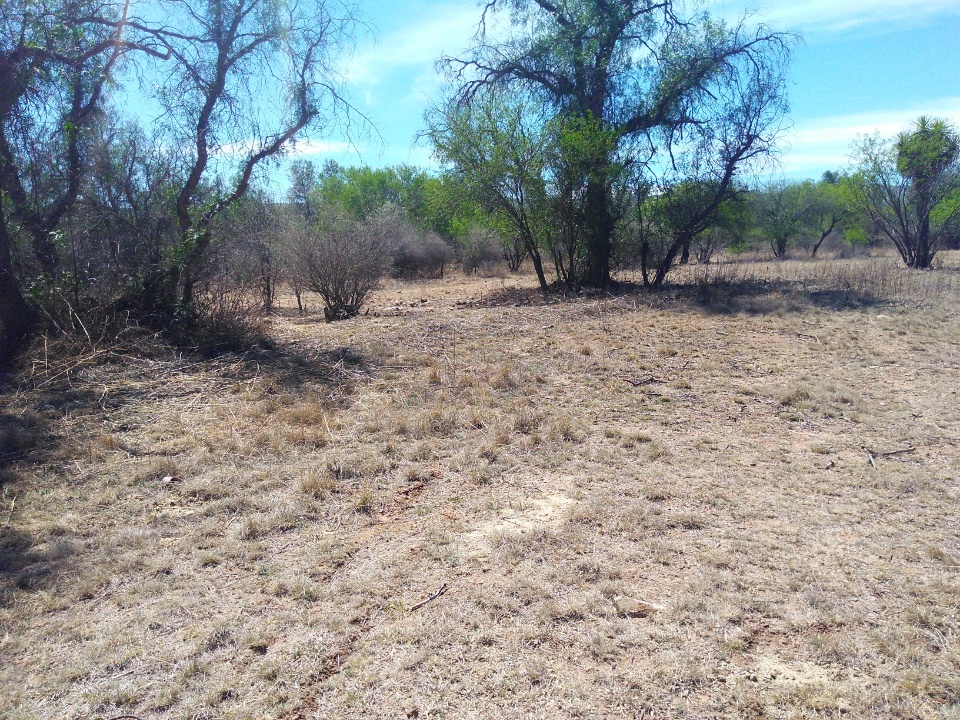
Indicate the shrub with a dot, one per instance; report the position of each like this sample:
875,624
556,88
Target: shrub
420,254
342,260
480,251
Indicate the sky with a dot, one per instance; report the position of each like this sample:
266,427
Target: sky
864,66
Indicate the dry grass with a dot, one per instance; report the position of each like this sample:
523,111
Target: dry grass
247,538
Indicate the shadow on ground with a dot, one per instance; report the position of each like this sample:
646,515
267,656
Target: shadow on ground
750,296
25,437
760,297
46,414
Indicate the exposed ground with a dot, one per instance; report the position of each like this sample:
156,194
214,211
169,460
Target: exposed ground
255,536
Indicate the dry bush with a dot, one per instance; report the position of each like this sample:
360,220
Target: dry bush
480,252
343,260
420,255
226,319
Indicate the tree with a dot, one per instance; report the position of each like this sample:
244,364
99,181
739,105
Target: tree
252,76
728,229
738,128
826,209
497,152
910,187
635,73
363,191
56,61
781,213
303,182
125,205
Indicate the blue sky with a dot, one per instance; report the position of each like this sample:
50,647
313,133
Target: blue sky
864,66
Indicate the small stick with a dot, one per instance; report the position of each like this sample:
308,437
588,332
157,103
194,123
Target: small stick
895,452
13,505
644,381
438,593
870,456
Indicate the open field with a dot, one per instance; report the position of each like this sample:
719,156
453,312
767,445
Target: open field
255,536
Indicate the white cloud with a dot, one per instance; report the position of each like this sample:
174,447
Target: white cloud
322,147
424,88
436,31
824,143
838,15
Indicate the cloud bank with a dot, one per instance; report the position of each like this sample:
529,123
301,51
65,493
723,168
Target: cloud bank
838,15
825,143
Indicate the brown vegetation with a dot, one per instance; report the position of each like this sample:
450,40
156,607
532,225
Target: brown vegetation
256,536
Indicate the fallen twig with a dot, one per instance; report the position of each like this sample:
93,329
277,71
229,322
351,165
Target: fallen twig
643,381
895,452
13,506
874,455
438,593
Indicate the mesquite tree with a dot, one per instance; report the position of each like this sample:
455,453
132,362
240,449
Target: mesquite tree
57,57
640,78
497,152
251,77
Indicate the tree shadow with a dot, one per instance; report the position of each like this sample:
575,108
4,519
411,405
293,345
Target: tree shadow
21,434
295,368
25,437
28,567
753,296
45,416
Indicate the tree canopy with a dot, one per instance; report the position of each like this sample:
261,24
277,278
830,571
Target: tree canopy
909,186
644,92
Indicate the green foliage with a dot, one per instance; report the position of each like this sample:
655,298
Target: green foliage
908,187
805,214
603,97
431,203
496,150
928,151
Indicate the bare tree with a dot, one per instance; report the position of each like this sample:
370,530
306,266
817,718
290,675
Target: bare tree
56,60
253,75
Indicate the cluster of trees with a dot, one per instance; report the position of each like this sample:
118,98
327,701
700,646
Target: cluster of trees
903,190
589,137
355,225
602,132
97,210
805,214
610,134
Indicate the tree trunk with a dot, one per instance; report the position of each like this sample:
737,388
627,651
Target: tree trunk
923,257
667,261
534,252
822,238
645,262
538,266
779,247
186,293
599,236
15,315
